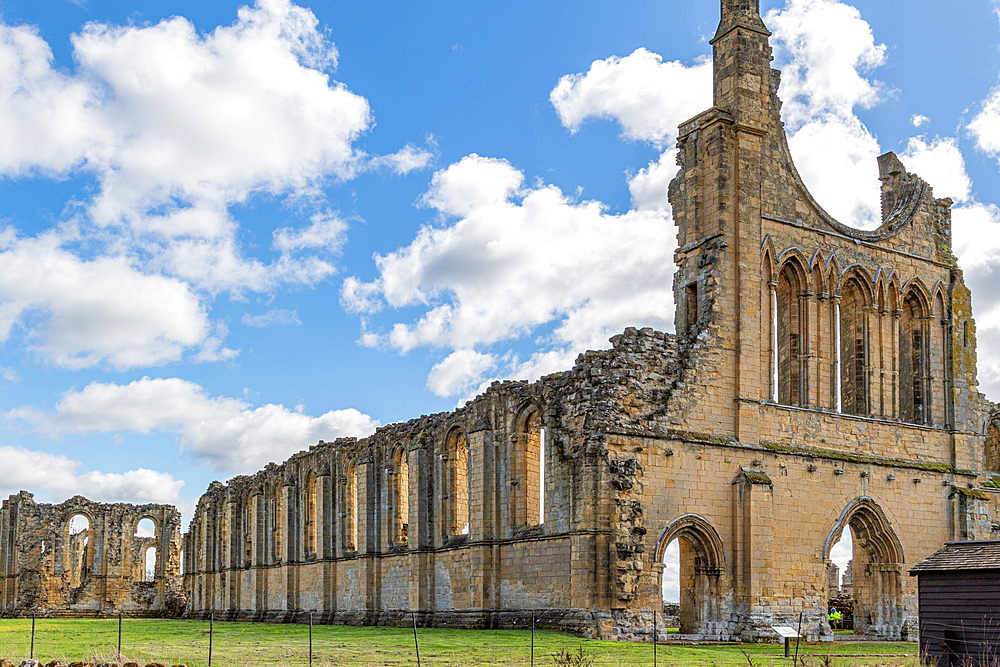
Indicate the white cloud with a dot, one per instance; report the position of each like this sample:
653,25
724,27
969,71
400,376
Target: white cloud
939,162
458,371
985,127
103,311
277,122
824,49
58,476
976,240
178,126
325,231
672,572
278,317
229,434
919,120
842,552
649,187
409,158
647,96
518,257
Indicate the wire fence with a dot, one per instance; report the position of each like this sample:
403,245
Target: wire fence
204,643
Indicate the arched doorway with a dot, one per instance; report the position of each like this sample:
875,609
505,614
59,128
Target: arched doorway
876,568
701,561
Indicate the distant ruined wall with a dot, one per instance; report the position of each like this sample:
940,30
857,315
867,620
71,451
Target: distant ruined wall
48,571
441,515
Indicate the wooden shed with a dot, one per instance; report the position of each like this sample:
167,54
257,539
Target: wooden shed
959,597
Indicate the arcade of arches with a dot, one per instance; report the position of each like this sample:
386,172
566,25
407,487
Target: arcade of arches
87,558
824,379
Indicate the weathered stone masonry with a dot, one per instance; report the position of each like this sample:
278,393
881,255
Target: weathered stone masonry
46,569
822,378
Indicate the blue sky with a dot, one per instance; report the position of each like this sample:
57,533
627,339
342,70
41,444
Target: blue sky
226,233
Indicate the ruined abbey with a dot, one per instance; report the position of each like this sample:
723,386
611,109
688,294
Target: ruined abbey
820,378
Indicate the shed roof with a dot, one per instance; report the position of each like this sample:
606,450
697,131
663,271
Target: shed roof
966,555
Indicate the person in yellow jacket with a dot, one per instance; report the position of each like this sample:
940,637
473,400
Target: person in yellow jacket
835,618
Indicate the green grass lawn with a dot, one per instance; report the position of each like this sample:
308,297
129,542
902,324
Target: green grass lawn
260,644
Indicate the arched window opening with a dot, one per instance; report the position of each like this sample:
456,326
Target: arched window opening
854,349
310,518
150,561
839,583
792,339
528,475
146,527
541,475
993,446
180,569
277,530
671,586
693,560
349,500
399,508
247,536
455,473
876,569
914,362
79,554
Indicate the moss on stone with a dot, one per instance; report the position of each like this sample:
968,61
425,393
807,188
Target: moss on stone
854,457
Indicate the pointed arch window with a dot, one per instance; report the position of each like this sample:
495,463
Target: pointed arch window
455,475
528,480
310,518
854,348
399,498
792,336
277,530
349,503
914,361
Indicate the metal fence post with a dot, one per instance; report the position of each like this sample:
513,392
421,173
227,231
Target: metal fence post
416,643
654,638
532,638
211,627
119,634
32,655
310,639
799,635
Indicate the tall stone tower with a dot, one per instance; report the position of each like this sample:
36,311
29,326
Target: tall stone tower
807,335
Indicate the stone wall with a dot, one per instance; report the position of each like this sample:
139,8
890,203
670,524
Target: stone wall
53,565
823,379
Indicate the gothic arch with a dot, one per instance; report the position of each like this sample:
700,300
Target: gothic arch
399,496
311,514
769,262
832,269
702,562
915,340
855,307
702,535
278,519
792,329
793,258
876,566
349,506
455,513
526,451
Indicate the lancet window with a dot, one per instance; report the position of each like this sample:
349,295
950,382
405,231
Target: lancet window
455,475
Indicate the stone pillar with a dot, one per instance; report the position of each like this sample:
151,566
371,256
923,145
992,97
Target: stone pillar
753,546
